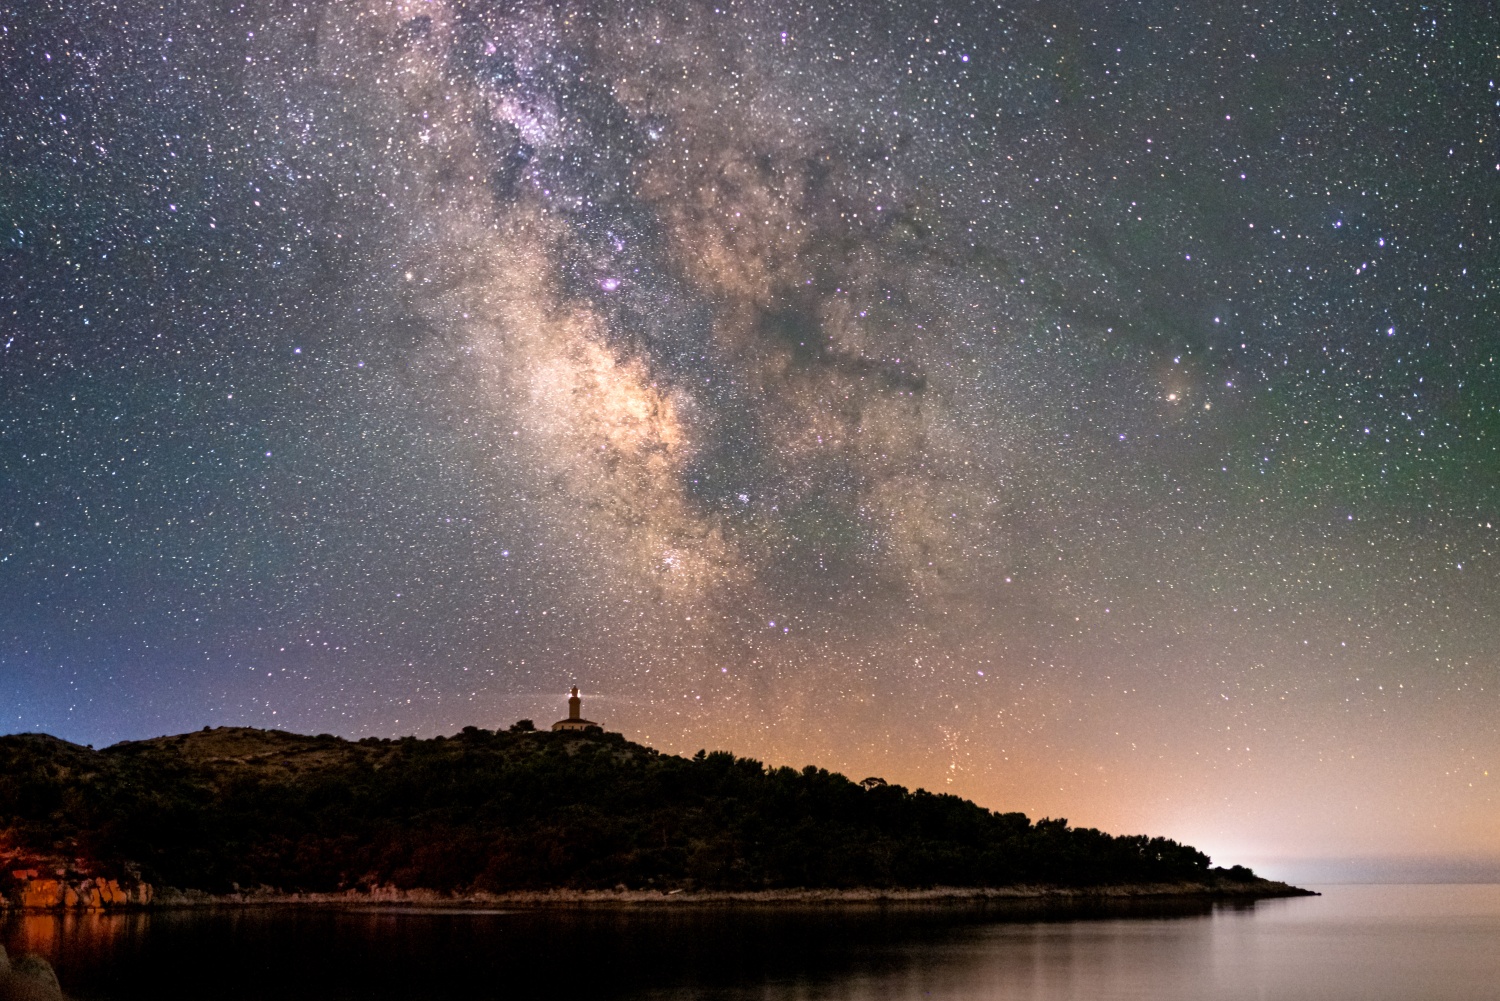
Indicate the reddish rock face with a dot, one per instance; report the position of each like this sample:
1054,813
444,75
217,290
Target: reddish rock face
30,881
42,894
90,893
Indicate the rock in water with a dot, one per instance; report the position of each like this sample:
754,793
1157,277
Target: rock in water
29,978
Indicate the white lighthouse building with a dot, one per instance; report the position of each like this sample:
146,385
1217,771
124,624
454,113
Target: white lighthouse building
575,720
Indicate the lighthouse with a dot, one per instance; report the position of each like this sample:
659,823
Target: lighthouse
575,720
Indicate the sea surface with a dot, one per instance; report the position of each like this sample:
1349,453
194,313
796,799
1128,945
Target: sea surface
1360,943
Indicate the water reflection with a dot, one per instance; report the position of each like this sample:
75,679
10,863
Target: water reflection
75,940
302,953
1354,943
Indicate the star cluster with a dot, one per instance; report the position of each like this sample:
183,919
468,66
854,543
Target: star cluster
1092,413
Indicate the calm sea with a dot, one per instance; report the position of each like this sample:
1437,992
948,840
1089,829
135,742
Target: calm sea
1403,943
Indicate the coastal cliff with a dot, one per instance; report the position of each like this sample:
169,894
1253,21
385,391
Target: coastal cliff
30,889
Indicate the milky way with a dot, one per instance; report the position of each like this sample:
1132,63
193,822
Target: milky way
1093,413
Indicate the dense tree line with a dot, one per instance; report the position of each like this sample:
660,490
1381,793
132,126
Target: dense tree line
499,811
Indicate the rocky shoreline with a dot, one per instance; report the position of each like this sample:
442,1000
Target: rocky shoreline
32,891
55,895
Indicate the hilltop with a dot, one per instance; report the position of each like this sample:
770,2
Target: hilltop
226,809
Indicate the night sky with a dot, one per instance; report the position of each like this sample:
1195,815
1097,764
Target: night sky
1089,409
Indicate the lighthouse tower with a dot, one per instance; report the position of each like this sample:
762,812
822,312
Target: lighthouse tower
575,720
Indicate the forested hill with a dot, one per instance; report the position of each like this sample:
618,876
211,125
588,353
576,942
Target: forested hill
518,809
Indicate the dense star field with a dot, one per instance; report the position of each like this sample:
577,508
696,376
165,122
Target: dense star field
1089,409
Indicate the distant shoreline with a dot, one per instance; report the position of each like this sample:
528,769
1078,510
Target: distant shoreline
257,811
389,898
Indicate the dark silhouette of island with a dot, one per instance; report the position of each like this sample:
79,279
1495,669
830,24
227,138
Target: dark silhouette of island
228,810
